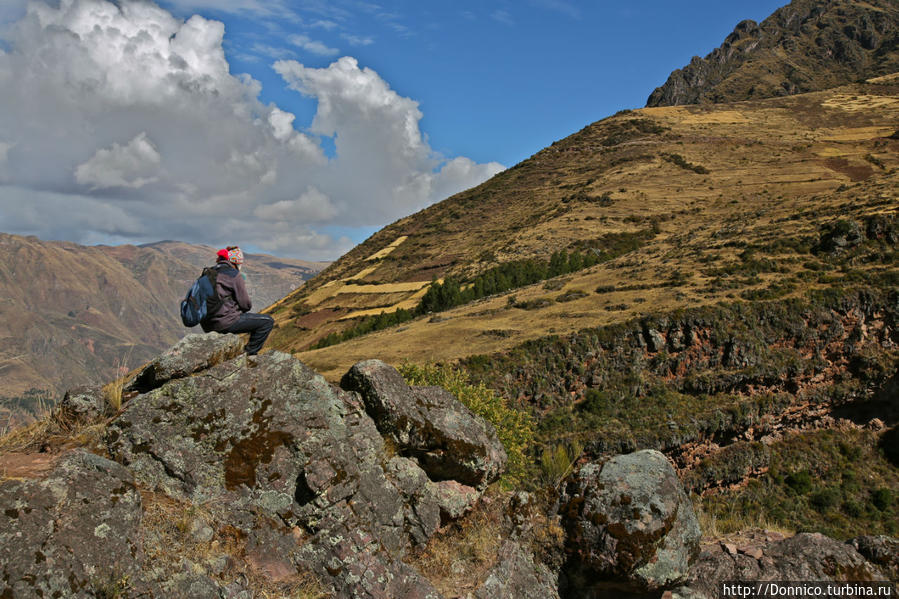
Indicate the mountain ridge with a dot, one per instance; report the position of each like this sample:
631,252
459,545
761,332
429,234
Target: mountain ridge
805,46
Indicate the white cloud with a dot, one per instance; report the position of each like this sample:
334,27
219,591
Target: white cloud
377,138
503,16
262,8
310,45
269,51
281,122
326,25
563,6
131,118
133,165
311,206
355,40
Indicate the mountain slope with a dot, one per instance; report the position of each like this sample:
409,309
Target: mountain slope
744,318
69,314
808,45
681,189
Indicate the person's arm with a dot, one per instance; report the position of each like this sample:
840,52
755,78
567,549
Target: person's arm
241,294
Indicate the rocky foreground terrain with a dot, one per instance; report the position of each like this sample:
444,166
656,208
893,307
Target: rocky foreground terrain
220,477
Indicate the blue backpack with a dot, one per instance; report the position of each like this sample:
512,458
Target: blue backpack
201,300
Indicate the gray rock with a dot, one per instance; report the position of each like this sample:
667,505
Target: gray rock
190,586
805,556
191,354
654,340
629,520
82,405
287,454
517,576
454,499
428,423
74,533
422,510
880,550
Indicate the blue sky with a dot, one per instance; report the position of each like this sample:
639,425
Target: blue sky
495,80
300,127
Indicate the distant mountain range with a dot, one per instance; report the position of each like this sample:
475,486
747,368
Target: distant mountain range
808,45
70,314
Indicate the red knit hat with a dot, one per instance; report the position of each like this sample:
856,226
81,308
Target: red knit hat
231,254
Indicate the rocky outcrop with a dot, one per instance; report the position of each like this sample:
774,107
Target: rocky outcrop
880,550
629,522
780,364
769,556
285,452
517,576
191,354
74,533
82,405
429,424
805,46
268,466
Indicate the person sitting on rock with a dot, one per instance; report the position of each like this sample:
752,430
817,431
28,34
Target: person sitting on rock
233,315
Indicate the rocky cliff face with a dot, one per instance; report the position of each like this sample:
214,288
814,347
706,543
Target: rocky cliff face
223,478
808,45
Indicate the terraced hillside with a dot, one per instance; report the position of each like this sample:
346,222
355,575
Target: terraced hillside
733,301
668,197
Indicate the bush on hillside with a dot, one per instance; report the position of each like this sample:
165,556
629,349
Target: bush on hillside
514,428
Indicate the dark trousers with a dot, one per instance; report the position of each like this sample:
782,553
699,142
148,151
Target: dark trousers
257,325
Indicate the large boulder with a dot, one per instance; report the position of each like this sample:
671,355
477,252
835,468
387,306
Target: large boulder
297,464
73,533
764,556
193,353
429,424
630,523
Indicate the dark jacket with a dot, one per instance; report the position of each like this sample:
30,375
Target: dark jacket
232,290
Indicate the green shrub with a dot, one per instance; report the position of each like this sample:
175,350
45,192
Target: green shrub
824,499
853,508
882,498
514,428
800,482
682,162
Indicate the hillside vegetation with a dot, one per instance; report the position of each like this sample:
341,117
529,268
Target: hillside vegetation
739,310
776,173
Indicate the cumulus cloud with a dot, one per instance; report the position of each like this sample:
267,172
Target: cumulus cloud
132,165
132,118
311,206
